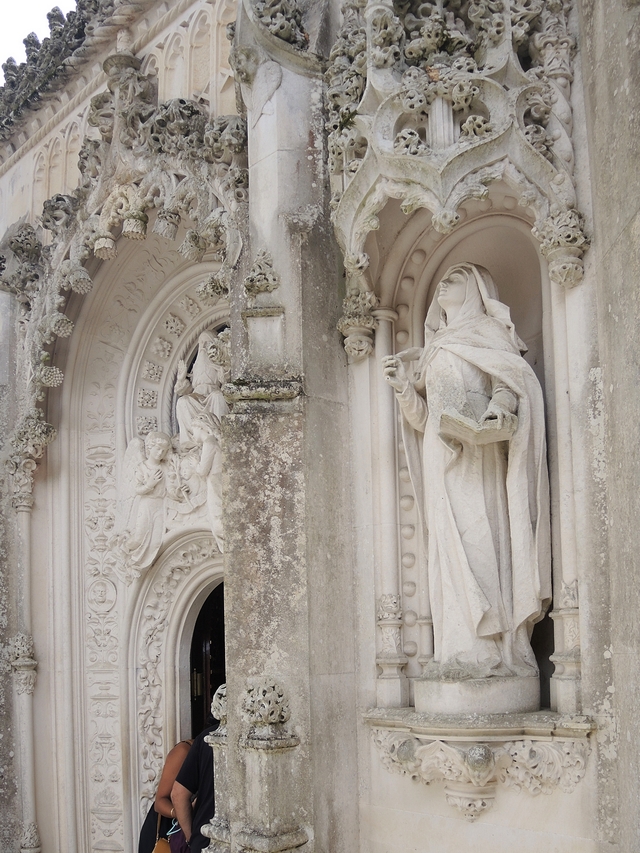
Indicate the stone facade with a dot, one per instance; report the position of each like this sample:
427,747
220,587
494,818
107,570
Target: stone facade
232,236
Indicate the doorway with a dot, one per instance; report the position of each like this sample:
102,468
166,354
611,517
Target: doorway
207,660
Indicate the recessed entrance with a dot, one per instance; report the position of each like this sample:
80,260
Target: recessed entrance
207,660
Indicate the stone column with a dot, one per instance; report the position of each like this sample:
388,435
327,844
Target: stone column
566,679
288,588
23,660
392,686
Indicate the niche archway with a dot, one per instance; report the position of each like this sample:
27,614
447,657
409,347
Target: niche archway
408,258
161,629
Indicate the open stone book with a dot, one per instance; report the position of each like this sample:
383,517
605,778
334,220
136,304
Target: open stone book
469,431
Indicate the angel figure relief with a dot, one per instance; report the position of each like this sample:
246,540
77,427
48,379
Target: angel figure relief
169,483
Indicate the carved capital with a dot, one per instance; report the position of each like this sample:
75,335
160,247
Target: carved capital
563,242
357,323
22,469
30,838
265,703
219,708
266,709
23,663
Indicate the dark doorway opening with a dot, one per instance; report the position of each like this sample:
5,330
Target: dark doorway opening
207,662
542,643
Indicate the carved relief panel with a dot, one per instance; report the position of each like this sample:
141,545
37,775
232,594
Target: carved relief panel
124,379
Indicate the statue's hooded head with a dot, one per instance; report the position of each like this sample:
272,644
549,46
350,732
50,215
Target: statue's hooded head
480,298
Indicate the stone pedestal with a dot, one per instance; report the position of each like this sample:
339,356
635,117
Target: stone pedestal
512,695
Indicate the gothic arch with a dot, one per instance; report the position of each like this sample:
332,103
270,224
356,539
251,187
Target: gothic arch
56,182
160,623
39,191
175,68
200,55
73,140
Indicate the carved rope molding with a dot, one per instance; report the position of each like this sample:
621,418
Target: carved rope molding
169,157
419,111
472,771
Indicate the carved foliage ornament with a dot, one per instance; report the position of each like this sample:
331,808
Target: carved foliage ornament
283,19
412,87
170,157
472,773
265,708
262,277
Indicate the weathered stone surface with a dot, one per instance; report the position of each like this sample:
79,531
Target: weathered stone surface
612,78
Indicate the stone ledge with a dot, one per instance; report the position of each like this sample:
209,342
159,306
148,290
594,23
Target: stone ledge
262,389
536,724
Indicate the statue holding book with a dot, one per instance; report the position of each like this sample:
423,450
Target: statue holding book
473,429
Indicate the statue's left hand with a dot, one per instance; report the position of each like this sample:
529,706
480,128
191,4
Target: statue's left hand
494,412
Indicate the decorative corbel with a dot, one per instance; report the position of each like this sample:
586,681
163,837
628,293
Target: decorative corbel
472,773
563,243
358,323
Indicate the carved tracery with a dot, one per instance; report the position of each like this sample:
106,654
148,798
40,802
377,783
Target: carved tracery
432,102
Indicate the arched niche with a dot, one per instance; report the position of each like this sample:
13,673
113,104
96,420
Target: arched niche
200,54
56,168
73,142
174,78
501,243
408,257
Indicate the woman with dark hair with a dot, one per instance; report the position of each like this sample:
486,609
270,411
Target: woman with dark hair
163,806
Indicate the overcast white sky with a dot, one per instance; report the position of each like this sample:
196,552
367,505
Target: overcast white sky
21,17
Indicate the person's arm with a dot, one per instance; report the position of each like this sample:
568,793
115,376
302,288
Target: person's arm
181,799
172,765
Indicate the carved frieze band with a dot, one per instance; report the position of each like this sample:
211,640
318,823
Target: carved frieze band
472,773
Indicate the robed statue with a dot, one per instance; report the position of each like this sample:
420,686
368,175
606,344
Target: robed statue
474,434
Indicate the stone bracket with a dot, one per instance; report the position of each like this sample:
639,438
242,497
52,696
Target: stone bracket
473,755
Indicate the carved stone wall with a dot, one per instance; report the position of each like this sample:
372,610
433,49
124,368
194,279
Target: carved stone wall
141,284
428,129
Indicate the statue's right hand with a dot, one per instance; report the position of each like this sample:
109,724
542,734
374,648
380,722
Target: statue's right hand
182,371
394,372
